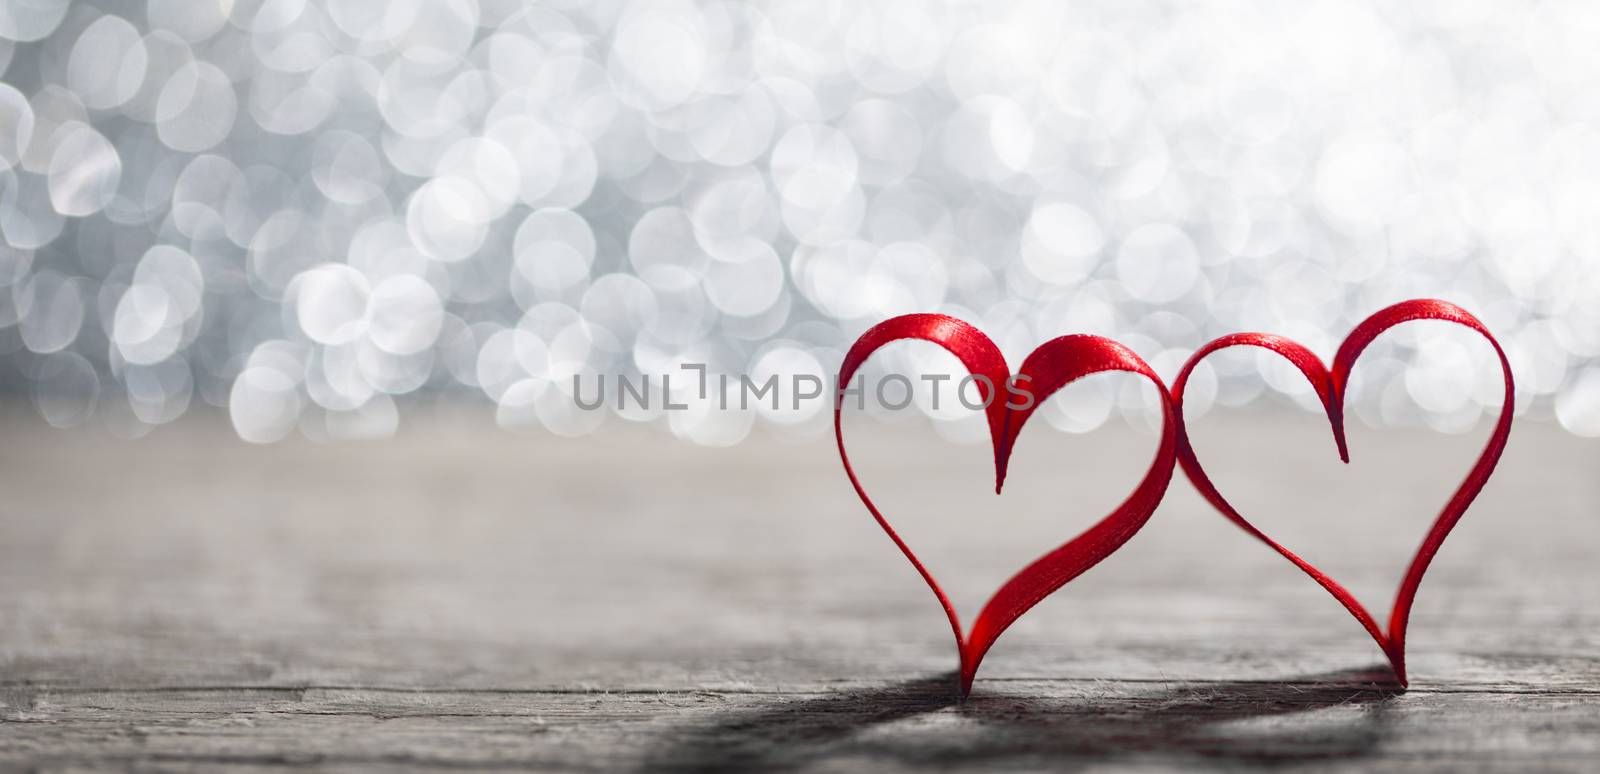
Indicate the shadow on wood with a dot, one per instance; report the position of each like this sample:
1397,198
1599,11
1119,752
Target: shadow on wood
923,721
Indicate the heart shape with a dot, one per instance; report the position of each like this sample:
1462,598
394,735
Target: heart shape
1055,364
1330,387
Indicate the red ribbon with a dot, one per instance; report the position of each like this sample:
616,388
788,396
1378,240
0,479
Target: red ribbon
1330,387
1055,364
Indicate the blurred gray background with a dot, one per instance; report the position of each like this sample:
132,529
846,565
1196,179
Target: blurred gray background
315,215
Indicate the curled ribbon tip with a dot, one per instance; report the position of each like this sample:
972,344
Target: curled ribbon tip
1330,385
1002,453
1339,437
1002,459
1053,365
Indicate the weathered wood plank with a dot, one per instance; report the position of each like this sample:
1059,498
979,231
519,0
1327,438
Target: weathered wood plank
466,597
1016,724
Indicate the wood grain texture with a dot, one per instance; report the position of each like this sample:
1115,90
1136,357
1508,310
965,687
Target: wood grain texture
467,597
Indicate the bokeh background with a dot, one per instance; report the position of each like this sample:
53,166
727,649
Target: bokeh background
320,217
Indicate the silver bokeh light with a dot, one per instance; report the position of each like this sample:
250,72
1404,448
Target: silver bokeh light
310,213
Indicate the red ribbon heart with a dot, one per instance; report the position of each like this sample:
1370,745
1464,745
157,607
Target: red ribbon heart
1055,364
1330,387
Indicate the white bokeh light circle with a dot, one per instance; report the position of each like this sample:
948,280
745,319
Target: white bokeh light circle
404,315
331,303
84,171
192,20
66,389
1061,243
1157,263
659,53
264,404
745,283
107,63
448,218
25,21
16,125
663,250
196,109
554,249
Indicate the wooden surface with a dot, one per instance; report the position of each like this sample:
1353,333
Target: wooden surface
468,597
